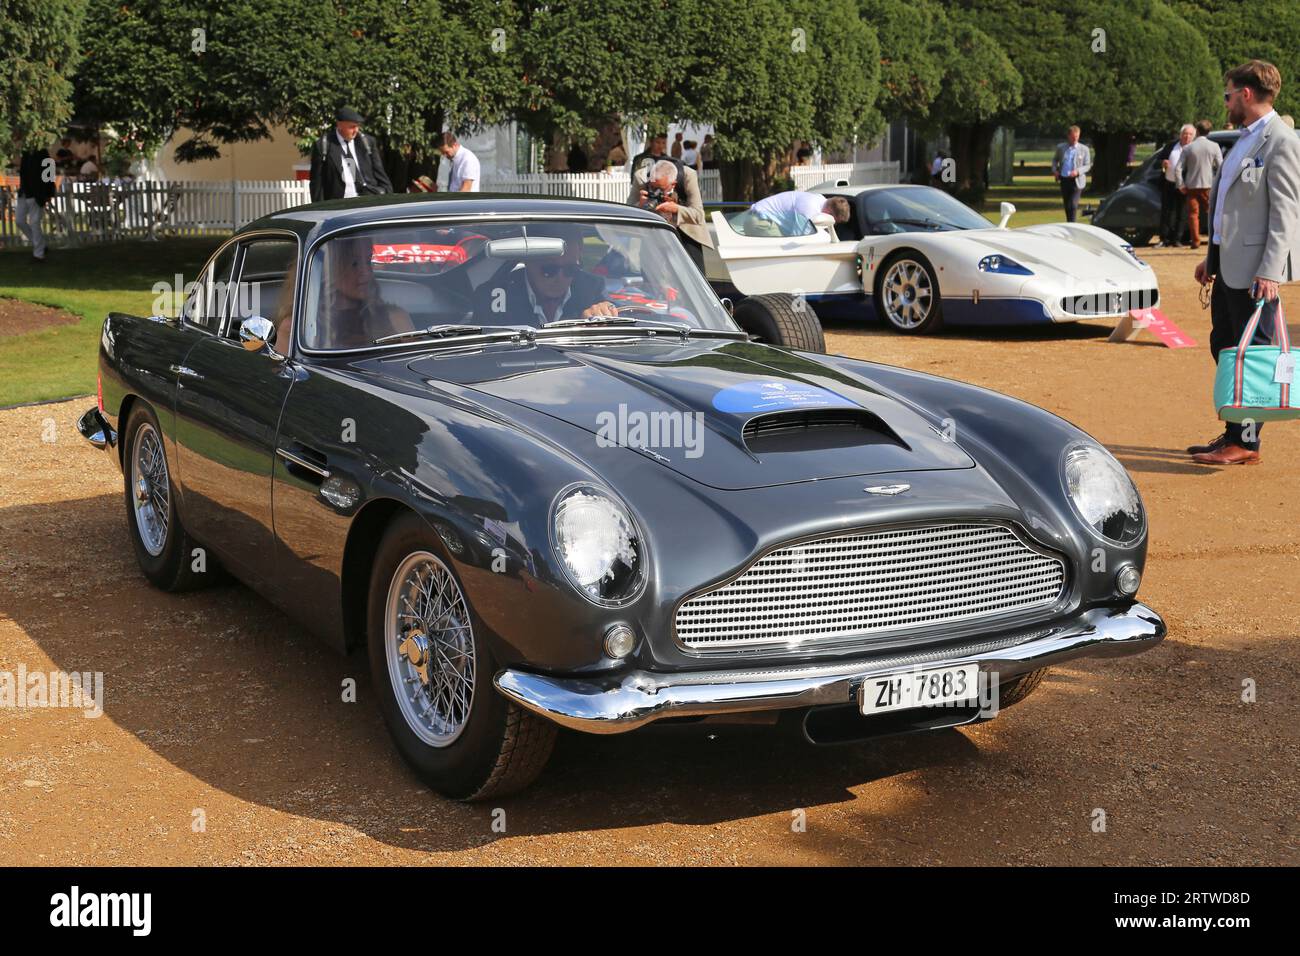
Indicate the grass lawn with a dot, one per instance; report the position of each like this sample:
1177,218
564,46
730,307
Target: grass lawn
89,281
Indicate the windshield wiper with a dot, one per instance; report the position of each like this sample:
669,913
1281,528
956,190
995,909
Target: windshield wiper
592,320
928,223
433,331
629,324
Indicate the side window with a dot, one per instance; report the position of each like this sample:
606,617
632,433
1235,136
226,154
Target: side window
265,285
207,301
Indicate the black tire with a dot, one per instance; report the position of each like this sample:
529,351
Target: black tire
779,319
1018,688
933,320
500,747
172,567
1137,237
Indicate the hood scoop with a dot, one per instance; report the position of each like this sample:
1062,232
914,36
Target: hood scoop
816,430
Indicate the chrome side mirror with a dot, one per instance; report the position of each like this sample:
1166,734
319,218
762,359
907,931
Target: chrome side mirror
1008,210
256,332
729,306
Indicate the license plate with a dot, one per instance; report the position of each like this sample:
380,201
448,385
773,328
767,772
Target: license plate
919,688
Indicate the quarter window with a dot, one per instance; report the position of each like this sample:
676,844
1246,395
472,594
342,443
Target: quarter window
207,301
265,286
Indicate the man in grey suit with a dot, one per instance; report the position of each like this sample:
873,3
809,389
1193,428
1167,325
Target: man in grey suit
1070,167
1194,174
1254,233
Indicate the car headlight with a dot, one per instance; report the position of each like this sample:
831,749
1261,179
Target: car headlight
1133,255
598,544
1004,265
1104,495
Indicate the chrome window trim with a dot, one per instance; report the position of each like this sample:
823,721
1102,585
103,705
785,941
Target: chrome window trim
184,318
415,222
237,273
890,637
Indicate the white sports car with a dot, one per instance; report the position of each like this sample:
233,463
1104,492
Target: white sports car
922,259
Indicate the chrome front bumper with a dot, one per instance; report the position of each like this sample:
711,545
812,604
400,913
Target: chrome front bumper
625,702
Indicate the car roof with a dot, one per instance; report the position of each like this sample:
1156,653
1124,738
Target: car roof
337,214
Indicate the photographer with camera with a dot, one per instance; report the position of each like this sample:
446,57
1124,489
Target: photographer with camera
345,162
662,184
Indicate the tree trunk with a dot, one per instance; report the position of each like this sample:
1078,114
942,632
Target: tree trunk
971,144
608,135
1110,165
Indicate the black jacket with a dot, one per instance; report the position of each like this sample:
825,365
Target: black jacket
584,292
327,167
32,183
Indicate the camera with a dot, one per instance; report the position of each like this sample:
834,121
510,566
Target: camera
654,195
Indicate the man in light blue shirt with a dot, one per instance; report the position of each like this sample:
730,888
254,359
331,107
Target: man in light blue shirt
790,213
1070,166
1232,164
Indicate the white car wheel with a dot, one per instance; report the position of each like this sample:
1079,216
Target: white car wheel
908,295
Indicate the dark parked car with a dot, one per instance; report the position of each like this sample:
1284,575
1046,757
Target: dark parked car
547,481
1133,210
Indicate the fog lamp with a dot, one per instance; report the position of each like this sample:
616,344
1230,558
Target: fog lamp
1128,580
619,641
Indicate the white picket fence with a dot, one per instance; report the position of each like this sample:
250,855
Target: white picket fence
106,211
857,174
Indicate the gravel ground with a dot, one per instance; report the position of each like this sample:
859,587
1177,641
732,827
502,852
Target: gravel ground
224,740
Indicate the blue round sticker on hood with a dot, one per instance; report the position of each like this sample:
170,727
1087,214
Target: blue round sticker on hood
776,395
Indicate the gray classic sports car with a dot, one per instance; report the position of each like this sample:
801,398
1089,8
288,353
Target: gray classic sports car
520,451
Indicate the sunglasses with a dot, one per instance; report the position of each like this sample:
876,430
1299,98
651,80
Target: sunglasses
551,270
1229,94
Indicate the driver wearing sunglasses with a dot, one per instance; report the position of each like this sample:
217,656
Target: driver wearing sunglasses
545,290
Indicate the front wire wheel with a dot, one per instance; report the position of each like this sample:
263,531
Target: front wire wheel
432,667
429,645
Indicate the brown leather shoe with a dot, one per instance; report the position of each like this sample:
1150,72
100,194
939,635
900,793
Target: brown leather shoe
1217,443
1228,455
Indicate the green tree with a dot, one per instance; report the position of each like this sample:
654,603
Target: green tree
1155,73
915,50
38,51
979,86
1241,30
152,68
768,73
1118,69
227,71
586,65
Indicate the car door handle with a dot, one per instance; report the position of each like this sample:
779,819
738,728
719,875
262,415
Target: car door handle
301,462
183,371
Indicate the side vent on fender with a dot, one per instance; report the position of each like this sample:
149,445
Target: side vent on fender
814,429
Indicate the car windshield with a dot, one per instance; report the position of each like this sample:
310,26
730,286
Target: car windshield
917,209
440,280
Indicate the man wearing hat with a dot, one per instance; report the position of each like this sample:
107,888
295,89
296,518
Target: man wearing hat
346,162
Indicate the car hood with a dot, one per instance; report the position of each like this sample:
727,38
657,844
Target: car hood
1057,249
731,415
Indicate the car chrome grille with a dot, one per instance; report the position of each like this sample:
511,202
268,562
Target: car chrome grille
866,583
